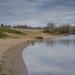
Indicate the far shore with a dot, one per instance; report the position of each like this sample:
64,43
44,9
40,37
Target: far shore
11,61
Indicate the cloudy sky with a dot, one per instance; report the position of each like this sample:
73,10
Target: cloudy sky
37,12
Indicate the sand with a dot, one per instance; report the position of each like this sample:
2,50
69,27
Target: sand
11,61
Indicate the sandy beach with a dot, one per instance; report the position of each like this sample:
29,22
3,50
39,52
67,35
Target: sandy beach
11,61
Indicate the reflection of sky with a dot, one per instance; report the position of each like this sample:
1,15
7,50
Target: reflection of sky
42,59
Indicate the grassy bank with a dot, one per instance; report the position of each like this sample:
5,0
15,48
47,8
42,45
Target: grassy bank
4,32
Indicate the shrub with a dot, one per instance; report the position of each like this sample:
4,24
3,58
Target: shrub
39,37
2,34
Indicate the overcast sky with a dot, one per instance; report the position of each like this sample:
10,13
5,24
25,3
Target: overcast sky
37,12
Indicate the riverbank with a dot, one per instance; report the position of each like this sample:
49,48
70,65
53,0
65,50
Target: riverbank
11,61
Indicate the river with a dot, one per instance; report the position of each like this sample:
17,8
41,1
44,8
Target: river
51,57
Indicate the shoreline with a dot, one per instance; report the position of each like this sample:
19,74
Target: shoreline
12,62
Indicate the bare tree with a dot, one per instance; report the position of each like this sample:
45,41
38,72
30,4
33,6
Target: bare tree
50,27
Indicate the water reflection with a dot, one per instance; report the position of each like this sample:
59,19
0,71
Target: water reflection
55,57
61,41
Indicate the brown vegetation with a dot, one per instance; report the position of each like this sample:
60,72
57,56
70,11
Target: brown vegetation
61,29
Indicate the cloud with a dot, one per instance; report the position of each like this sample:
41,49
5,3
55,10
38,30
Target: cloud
36,12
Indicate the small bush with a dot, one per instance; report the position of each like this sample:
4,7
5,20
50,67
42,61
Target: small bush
39,37
2,34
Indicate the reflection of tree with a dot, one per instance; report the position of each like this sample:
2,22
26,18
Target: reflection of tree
67,42
51,42
60,42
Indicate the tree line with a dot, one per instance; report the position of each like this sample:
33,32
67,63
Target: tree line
16,26
61,29
50,28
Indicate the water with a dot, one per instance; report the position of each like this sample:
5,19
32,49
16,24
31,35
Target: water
52,57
